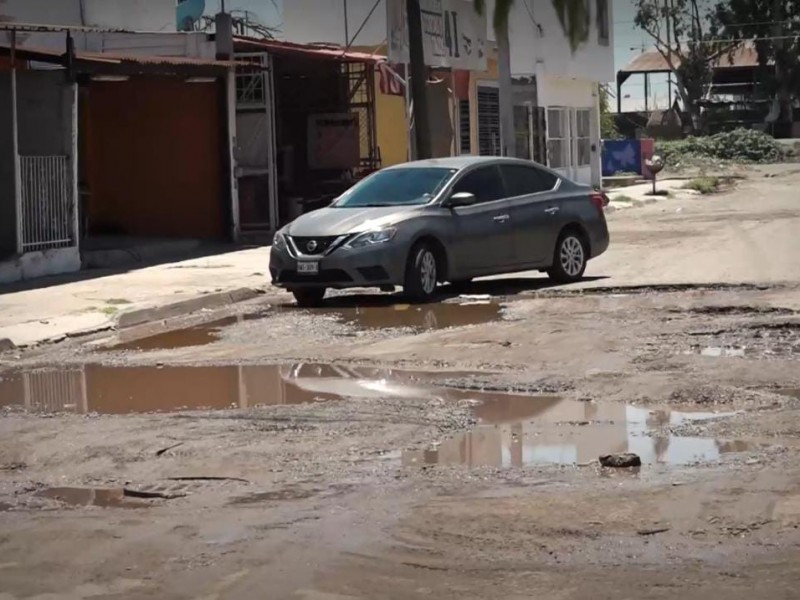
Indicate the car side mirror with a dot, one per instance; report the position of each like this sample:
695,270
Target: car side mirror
461,199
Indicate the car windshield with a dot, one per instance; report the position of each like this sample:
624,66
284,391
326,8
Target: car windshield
397,187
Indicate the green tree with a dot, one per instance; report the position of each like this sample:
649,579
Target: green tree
608,125
575,18
774,27
684,35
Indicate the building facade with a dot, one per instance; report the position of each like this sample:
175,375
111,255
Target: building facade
557,112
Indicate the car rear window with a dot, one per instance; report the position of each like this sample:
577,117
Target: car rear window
522,180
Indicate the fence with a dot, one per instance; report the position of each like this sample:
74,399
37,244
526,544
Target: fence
48,203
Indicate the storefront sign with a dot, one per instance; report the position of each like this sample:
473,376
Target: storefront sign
453,34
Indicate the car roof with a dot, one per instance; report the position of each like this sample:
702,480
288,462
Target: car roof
464,161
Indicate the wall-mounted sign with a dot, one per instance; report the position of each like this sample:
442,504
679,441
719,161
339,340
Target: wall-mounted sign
333,141
453,33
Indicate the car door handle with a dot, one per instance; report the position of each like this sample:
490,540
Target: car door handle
551,210
501,218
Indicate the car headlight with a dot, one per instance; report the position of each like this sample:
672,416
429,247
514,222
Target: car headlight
279,241
372,238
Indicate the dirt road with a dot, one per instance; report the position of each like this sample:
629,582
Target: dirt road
374,449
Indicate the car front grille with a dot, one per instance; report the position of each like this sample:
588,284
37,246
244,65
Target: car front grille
313,245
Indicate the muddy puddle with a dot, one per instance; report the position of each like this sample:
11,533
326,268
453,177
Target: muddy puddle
199,335
470,311
519,431
127,390
513,430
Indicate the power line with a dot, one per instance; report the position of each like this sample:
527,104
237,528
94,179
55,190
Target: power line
765,38
731,24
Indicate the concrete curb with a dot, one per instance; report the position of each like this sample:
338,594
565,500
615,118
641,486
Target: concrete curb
177,309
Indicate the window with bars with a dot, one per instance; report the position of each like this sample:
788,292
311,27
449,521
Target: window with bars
583,136
603,23
489,121
522,132
465,146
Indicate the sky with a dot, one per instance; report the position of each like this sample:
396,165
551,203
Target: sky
628,43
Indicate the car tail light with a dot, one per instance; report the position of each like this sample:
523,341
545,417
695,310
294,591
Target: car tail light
600,200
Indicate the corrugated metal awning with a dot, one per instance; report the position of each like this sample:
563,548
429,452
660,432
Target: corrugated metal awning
325,52
98,59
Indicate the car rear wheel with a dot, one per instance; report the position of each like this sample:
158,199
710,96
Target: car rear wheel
309,297
422,273
569,261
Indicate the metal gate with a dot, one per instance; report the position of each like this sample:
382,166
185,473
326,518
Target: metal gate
48,203
255,145
361,100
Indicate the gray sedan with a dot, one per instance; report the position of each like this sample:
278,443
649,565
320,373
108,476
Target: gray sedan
444,220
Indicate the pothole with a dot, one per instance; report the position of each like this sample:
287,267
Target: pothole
199,335
475,310
518,431
126,390
514,430
469,310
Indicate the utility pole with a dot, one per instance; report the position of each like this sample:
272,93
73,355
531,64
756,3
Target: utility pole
668,15
419,78
346,30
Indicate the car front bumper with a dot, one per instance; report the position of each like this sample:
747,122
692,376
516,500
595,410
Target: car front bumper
372,266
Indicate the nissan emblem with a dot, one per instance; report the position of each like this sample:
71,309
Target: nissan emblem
311,246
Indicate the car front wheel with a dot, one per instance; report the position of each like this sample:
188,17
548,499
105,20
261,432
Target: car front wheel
422,274
569,261
309,297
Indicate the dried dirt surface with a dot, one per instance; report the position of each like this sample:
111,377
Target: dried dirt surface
372,449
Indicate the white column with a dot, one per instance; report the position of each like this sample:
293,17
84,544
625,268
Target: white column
15,143
230,111
597,146
76,199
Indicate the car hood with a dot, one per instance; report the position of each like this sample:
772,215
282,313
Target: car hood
344,221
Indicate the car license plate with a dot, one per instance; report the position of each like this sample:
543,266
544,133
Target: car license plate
308,268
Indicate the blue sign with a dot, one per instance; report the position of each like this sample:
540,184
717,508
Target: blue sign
622,156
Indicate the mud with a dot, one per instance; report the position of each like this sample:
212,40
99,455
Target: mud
104,498
458,457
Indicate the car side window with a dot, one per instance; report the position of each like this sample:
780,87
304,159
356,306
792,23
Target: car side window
485,183
522,180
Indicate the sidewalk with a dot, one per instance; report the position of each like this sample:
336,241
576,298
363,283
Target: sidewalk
641,193
49,309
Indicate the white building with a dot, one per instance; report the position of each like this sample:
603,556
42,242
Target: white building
559,86
566,81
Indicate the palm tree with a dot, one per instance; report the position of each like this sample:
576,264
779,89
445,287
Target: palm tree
575,19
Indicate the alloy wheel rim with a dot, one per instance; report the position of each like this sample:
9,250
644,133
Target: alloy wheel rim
572,256
428,272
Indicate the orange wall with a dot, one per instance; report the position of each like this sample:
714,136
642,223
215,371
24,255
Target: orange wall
152,159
